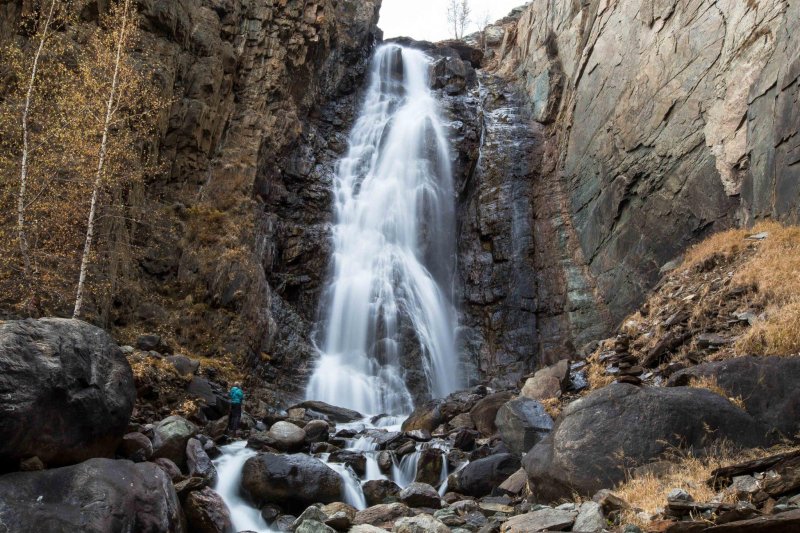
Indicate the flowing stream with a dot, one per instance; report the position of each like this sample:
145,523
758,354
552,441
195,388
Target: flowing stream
394,248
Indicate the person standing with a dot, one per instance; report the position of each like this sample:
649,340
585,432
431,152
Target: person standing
237,397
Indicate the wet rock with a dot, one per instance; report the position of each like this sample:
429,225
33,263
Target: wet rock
316,431
134,496
420,524
380,491
355,460
465,439
464,420
312,513
480,477
484,412
136,447
429,466
170,437
187,485
199,463
207,513
420,495
67,392
522,423
331,412
427,417
541,520
383,516
169,468
313,526
292,481
287,437
581,454
340,516
385,461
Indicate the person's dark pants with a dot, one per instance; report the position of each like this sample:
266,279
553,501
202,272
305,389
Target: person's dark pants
235,417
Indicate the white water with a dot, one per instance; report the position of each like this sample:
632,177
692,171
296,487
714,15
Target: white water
393,247
229,466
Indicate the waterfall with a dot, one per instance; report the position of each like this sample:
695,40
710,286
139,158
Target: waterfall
394,248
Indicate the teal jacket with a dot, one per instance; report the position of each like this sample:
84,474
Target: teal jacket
236,395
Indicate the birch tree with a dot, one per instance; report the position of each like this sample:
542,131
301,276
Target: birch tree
23,178
458,17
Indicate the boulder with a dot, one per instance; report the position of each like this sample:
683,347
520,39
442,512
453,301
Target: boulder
598,437
420,495
136,447
423,523
522,423
427,416
590,518
541,520
96,496
548,382
480,477
340,516
355,460
382,515
331,412
313,526
378,491
169,468
292,481
429,466
67,392
183,365
484,412
207,513
199,463
514,484
287,437
766,385
170,437
316,431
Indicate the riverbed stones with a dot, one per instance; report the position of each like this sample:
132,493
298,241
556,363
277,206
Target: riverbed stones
378,491
429,466
199,463
384,515
67,392
206,512
423,523
420,495
541,520
316,431
136,447
340,516
480,477
170,437
331,412
287,437
293,481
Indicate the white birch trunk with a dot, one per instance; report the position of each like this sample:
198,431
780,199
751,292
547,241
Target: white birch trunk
87,247
23,176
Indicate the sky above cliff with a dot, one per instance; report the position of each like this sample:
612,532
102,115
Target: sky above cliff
427,19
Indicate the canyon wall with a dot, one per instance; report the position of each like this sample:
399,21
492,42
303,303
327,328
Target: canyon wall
649,125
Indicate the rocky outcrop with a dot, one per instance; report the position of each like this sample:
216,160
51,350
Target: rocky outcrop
97,496
236,242
597,438
67,392
624,133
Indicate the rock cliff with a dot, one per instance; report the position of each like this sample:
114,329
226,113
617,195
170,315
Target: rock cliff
640,128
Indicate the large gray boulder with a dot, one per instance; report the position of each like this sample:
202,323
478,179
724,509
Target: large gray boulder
522,423
599,437
768,386
480,477
291,481
66,392
170,437
96,496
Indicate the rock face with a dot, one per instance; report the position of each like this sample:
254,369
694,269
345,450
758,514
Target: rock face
263,94
67,392
621,426
291,480
616,141
96,496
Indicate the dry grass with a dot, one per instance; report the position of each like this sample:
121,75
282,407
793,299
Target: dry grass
710,383
596,373
648,493
774,271
553,407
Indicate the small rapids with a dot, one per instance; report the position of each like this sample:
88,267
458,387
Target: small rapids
403,471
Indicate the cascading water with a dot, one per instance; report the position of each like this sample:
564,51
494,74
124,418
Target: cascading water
393,247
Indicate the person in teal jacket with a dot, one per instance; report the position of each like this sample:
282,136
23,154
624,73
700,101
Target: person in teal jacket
237,397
